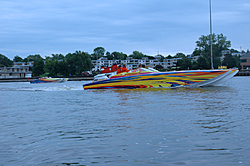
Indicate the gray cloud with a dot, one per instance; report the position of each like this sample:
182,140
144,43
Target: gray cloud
49,27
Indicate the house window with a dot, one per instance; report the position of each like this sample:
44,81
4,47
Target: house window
243,60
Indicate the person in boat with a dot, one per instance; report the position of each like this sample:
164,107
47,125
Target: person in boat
119,68
122,69
141,65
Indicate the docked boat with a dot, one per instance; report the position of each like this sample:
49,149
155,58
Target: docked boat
48,80
151,78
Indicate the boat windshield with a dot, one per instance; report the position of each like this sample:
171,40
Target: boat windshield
149,69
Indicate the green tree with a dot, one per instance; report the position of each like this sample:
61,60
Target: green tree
109,56
169,57
56,65
216,62
32,58
219,43
202,63
38,67
229,61
57,57
63,68
150,57
179,55
98,52
184,63
17,59
49,67
233,50
197,52
78,62
119,55
4,61
194,65
137,55
237,60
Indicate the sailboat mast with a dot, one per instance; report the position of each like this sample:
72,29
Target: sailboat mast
211,44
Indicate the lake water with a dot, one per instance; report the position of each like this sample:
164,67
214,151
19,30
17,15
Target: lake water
62,124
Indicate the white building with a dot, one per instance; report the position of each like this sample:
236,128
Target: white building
134,63
19,70
15,72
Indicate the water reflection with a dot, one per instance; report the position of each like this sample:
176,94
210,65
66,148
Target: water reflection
206,108
175,91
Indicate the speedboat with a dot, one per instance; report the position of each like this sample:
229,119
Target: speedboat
48,80
151,78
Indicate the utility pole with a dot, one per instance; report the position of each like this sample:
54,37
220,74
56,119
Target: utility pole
211,44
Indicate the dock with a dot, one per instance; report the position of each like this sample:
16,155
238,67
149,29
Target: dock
243,73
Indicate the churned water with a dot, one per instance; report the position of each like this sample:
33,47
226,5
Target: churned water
62,124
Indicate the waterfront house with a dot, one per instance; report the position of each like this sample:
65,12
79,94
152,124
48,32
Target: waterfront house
15,72
245,61
19,70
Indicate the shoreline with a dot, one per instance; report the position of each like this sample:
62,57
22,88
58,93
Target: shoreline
2,80
80,78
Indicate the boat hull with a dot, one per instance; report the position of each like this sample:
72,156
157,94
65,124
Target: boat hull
190,78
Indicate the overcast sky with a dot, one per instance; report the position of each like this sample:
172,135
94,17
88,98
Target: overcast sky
48,27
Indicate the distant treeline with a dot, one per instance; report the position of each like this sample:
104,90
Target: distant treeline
77,62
